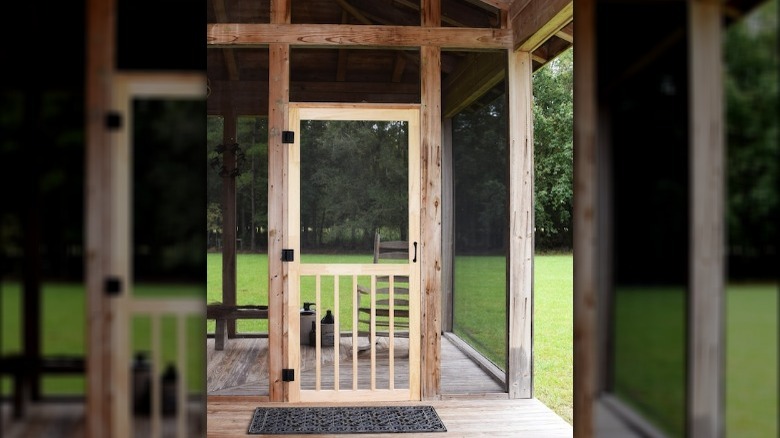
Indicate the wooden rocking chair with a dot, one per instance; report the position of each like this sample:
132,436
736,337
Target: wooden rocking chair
383,251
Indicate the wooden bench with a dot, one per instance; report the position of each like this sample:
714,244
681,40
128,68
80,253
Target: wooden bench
23,369
222,313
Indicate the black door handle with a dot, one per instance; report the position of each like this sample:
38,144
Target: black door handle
414,260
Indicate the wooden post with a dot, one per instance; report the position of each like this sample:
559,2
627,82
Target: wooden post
99,68
521,225
278,98
706,188
229,219
430,208
585,220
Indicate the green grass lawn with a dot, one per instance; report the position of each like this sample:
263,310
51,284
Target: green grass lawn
650,351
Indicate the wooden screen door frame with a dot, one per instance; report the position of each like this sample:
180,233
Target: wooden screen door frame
125,88
409,113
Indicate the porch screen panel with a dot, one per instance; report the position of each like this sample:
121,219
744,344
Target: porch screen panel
480,179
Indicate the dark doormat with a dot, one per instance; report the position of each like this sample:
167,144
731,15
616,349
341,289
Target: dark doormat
345,419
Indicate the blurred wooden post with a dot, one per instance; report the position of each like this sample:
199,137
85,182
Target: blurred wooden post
229,218
706,187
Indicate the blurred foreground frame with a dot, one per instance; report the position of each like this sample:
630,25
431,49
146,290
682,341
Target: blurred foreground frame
652,120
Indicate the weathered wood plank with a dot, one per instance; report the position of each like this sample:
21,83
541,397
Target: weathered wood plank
243,370
537,20
521,225
706,409
430,220
223,35
586,236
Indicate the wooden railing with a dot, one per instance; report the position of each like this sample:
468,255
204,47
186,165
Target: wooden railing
157,309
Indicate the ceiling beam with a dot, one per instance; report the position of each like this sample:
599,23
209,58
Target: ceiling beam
225,35
535,21
230,60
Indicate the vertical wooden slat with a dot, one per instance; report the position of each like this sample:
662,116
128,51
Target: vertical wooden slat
391,333
278,96
430,207
318,349
585,220
355,316
706,187
336,332
156,366
521,225
372,329
99,66
181,365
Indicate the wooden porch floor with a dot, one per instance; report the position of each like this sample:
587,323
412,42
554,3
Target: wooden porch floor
240,369
230,417
473,404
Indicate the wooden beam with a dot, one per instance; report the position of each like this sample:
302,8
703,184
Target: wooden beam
521,224
538,20
230,58
565,36
251,97
477,73
223,35
707,273
585,208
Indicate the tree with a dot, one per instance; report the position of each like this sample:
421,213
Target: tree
751,85
553,145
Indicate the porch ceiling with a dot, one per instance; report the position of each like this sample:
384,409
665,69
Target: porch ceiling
238,76
335,71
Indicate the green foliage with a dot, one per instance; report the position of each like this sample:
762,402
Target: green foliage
553,145
353,182
751,92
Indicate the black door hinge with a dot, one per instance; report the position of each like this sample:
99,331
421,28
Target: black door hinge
288,137
113,286
288,375
113,120
288,255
